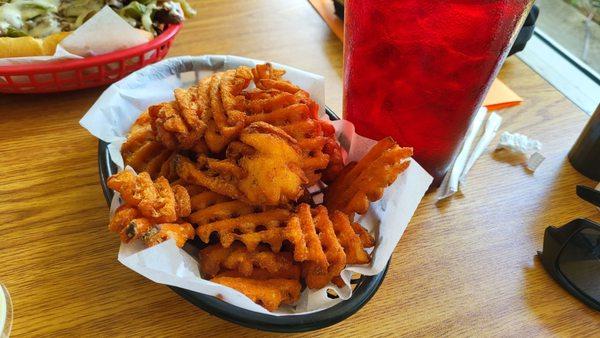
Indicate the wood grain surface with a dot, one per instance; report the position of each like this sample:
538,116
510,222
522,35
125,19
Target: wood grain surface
465,267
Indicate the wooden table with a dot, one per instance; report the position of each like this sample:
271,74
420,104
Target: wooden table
465,267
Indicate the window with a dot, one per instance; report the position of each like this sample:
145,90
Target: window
565,49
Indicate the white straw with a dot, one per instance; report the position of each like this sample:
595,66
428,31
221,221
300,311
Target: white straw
491,127
450,183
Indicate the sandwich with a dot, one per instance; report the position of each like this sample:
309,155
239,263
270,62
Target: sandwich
36,27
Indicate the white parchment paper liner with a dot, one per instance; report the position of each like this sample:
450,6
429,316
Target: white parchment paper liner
115,111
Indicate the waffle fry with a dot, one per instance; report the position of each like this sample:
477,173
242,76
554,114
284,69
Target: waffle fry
267,78
226,168
264,168
266,71
251,229
221,211
262,274
315,276
203,99
319,155
181,233
204,199
176,123
152,210
365,182
236,150
127,223
215,258
336,161
152,157
136,228
143,153
231,86
152,200
365,238
212,257
273,173
285,115
189,172
265,101
123,215
270,293
226,100
183,205
139,134
156,200
348,239
314,159
190,108
152,234
302,232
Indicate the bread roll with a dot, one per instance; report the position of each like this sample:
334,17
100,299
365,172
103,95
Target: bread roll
28,46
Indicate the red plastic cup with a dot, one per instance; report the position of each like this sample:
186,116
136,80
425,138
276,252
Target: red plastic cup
418,70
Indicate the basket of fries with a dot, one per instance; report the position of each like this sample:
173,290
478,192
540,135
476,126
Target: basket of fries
227,182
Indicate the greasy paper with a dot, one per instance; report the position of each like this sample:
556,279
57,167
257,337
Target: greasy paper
103,33
115,111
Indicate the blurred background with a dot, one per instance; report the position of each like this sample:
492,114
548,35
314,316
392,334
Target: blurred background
565,49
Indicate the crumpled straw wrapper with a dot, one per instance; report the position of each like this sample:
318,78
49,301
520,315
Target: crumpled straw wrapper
518,143
103,33
522,144
115,111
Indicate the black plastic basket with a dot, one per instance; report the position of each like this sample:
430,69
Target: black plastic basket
364,287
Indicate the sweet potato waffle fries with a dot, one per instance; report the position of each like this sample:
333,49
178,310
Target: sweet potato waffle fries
232,165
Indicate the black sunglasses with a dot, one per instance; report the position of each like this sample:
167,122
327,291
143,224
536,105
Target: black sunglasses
571,254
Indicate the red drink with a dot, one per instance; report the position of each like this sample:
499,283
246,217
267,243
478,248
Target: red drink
418,70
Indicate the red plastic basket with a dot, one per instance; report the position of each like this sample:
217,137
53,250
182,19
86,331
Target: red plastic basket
58,76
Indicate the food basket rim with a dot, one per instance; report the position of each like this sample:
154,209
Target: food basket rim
365,289
53,66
